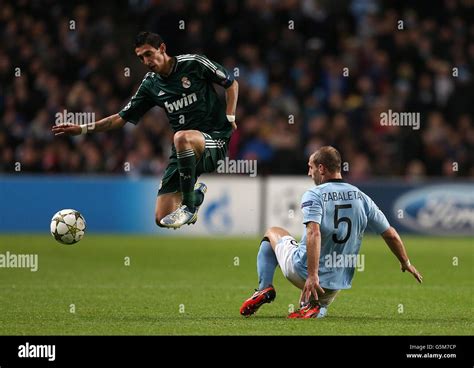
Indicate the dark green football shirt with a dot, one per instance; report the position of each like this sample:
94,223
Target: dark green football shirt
187,95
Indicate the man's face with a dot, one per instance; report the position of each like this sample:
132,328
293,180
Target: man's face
313,171
153,58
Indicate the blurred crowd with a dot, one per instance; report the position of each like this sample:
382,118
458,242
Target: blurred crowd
311,73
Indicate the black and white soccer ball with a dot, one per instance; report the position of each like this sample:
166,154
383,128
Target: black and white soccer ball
68,226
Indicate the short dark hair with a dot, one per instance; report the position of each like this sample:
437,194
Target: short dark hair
148,38
329,157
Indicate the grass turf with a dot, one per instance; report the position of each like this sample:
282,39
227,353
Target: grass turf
195,286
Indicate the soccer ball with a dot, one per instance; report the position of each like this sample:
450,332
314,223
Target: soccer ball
68,226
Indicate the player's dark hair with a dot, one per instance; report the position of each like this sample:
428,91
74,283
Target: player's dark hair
148,38
329,157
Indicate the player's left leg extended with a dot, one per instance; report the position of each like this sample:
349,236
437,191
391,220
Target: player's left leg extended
266,265
190,145
267,261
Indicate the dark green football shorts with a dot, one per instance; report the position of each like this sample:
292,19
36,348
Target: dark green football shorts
215,150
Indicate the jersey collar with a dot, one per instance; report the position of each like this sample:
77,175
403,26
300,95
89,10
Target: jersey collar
175,65
335,181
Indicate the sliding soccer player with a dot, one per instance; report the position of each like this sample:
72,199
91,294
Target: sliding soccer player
336,215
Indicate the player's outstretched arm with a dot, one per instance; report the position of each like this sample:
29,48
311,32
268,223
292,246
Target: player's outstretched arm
108,123
395,244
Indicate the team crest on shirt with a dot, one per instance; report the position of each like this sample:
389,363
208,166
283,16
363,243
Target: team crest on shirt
186,82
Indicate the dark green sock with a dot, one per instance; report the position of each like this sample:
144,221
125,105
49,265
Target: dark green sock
187,173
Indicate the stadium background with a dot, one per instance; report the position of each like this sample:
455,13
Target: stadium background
282,72
289,58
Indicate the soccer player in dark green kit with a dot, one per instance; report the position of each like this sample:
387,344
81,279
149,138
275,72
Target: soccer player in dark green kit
202,125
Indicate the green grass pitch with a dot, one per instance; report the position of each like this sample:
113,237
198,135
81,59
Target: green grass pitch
195,286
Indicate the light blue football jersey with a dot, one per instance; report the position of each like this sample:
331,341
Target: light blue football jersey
343,213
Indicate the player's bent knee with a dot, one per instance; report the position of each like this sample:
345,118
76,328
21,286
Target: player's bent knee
181,138
275,230
274,234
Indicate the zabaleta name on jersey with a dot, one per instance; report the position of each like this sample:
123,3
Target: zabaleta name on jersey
341,196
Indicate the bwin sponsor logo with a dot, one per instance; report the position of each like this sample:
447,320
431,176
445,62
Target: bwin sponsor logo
186,100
